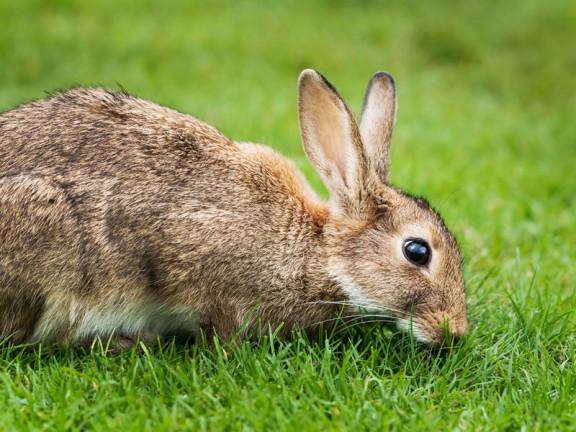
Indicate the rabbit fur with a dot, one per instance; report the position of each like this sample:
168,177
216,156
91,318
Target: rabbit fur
126,220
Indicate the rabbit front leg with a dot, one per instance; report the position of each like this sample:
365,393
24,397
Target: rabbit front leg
220,321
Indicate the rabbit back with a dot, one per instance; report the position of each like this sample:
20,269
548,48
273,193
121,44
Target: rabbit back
153,214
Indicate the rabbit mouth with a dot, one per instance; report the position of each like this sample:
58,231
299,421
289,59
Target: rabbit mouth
432,333
412,327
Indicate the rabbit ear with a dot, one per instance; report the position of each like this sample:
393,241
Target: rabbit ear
377,122
330,137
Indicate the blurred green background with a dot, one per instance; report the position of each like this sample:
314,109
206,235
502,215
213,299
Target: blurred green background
486,123
486,89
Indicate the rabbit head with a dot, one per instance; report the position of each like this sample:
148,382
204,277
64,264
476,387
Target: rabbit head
390,252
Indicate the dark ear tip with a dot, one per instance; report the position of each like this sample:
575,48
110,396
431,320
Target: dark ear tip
309,76
382,78
381,75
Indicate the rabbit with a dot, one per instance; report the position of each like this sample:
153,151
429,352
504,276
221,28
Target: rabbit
128,221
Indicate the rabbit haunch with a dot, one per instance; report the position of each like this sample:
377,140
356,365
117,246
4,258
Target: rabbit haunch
123,219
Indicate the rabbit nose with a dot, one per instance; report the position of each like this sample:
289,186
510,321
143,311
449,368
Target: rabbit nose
459,328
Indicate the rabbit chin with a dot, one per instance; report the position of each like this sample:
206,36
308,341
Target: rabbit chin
357,298
412,327
362,303
359,301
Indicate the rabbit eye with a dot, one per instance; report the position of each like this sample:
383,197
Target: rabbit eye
417,251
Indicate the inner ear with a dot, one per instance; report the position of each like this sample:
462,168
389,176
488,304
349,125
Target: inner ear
331,138
329,127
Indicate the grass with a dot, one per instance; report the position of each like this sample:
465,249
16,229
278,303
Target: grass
485,130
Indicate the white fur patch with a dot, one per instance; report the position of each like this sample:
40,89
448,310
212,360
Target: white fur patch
105,320
134,319
52,320
412,327
355,293
352,289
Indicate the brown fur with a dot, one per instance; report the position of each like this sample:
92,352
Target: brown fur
122,218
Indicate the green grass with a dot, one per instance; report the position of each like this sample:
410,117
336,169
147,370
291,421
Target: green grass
485,130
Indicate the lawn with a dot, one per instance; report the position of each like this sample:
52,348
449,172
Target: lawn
486,131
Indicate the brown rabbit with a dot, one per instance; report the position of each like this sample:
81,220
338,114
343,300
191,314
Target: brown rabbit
123,219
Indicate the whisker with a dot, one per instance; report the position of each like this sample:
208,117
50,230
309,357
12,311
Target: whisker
357,323
375,316
340,318
457,190
338,303
358,317
356,305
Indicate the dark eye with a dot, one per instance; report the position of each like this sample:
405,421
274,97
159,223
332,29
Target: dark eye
417,251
